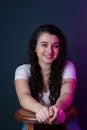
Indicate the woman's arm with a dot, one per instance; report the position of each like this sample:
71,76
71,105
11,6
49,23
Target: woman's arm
67,93
28,102
24,96
64,101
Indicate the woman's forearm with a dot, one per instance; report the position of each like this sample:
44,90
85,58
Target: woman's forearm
66,94
64,101
30,103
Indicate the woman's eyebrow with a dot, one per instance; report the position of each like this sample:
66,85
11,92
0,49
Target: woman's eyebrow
56,42
47,42
43,42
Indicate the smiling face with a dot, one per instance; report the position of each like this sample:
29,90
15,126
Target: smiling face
47,48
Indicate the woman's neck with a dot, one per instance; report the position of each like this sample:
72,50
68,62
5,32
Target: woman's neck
45,69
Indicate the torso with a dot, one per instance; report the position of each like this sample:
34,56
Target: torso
23,71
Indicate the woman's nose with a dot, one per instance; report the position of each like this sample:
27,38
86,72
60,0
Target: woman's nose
50,49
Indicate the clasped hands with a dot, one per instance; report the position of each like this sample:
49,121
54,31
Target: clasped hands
49,115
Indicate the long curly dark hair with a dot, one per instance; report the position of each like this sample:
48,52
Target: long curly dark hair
57,67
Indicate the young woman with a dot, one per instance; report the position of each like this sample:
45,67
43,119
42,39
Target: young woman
46,84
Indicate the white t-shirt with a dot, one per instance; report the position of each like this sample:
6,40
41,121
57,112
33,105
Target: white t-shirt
23,71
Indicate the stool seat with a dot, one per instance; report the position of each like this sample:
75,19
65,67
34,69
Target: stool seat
29,117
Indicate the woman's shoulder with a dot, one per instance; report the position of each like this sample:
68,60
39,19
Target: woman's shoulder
70,64
23,66
22,71
69,70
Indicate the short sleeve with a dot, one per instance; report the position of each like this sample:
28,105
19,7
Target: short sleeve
23,71
69,71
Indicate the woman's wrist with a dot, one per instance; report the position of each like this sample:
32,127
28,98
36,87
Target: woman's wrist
38,107
59,104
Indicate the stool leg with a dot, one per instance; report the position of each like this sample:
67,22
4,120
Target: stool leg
30,126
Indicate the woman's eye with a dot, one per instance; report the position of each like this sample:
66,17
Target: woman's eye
44,45
56,45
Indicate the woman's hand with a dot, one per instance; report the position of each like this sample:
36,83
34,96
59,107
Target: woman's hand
43,115
56,114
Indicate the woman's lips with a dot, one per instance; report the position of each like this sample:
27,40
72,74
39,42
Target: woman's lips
49,56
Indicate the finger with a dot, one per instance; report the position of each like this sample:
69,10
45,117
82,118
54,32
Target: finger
51,111
39,118
43,117
47,114
53,118
62,116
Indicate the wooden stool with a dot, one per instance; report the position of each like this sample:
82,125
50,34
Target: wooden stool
29,117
